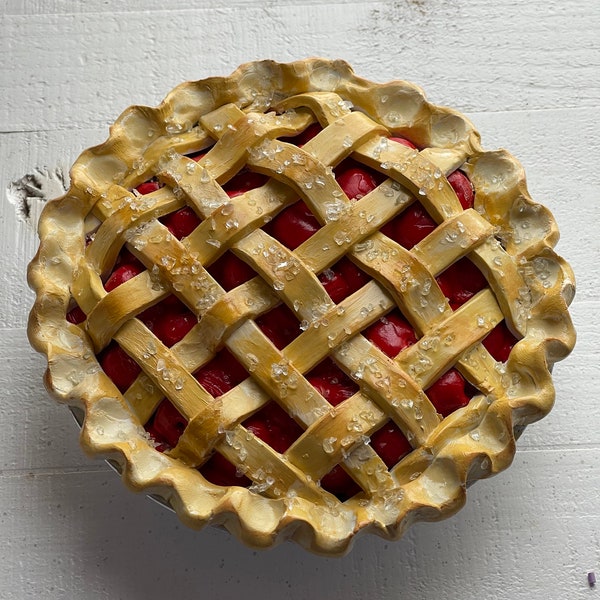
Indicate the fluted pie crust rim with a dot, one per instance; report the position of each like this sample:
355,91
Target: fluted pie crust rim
508,236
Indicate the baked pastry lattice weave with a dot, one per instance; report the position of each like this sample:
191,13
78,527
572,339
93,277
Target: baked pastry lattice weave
203,136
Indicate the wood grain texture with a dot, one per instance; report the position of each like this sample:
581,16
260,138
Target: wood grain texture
465,54
528,75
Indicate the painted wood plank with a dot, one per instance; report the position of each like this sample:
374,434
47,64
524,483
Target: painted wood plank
80,536
72,67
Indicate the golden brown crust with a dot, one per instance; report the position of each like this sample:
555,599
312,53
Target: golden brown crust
507,235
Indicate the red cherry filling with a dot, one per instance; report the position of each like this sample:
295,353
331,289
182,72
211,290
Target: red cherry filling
410,226
121,274
182,222
342,279
76,316
449,393
404,142
331,382
167,425
170,320
221,374
356,181
119,366
339,483
500,342
391,444
308,134
294,225
274,426
218,470
172,326
244,181
391,334
231,271
460,282
148,187
279,325
463,188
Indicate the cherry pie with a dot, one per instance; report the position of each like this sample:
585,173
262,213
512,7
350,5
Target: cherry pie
299,304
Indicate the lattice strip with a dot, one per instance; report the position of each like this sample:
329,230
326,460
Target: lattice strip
185,142
115,308
352,225
392,389
198,347
412,285
237,132
444,343
327,107
337,327
335,435
194,182
507,283
113,200
173,263
282,381
87,287
297,168
163,369
415,172
271,476
285,274
118,227
454,238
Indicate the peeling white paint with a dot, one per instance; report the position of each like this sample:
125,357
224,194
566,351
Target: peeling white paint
29,193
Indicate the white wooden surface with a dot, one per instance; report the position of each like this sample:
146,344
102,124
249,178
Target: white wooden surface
528,74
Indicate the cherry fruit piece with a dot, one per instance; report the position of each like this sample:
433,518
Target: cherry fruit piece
460,282
76,316
390,443
410,226
274,426
148,187
279,325
449,392
231,271
356,182
462,188
391,334
218,470
122,274
403,141
181,222
221,374
119,366
167,424
244,181
339,483
172,327
294,225
500,342
342,279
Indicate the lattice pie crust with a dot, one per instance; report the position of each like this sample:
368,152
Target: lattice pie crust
241,122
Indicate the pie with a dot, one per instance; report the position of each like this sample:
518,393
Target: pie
298,304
